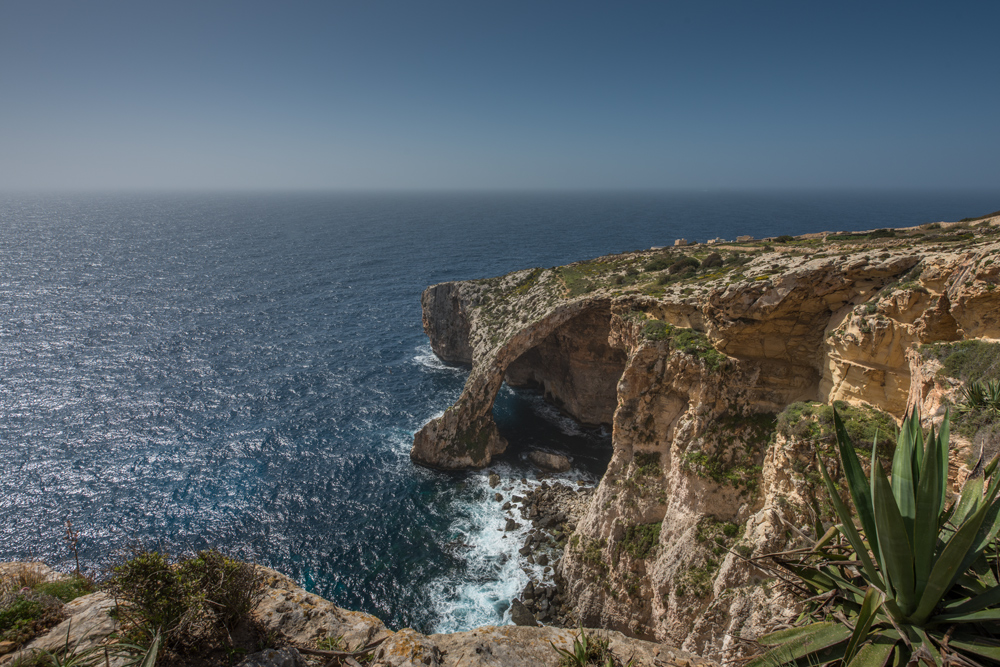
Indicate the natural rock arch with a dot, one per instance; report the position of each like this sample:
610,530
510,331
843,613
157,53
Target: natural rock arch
565,352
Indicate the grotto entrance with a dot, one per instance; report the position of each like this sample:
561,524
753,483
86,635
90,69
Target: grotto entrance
560,395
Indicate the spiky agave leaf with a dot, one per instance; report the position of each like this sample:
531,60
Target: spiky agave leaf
992,396
973,397
788,646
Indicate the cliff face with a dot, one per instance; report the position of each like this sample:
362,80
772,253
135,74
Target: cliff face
692,369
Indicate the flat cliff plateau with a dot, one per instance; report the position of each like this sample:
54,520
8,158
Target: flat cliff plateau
716,366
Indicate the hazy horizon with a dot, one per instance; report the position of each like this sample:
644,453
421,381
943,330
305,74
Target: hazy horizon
459,97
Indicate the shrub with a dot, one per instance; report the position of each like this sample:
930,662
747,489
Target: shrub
685,340
713,259
641,540
647,464
784,238
656,330
20,617
683,265
151,595
29,605
966,360
737,259
814,421
988,215
657,264
914,583
188,601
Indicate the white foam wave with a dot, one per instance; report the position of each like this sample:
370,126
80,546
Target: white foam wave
425,357
495,571
550,413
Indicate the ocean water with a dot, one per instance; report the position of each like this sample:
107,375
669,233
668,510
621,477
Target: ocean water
248,371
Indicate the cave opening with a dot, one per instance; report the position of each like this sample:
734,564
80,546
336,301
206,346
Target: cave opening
560,395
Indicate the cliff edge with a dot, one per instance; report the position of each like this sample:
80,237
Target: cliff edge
296,622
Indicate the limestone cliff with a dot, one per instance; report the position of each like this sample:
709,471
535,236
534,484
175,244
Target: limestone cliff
691,353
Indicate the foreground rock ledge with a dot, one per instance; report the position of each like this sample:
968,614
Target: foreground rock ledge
300,619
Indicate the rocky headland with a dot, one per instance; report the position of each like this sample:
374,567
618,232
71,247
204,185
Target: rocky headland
716,366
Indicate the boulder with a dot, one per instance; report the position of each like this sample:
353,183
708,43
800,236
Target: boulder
520,615
549,461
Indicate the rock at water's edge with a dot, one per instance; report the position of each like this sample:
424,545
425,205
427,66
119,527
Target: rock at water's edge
549,461
520,614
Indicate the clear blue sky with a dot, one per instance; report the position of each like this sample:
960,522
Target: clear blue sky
498,95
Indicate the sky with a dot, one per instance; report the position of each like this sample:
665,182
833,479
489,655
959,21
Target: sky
482,94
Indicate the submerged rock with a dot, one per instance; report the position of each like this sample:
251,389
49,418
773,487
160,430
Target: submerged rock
549,461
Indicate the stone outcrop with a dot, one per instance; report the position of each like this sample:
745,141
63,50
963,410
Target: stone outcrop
699,364
296,620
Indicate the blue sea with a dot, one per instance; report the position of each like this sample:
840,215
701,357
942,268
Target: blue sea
248,371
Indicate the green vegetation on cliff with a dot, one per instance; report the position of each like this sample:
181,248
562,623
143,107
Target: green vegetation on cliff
30,605
714,538
973,363
682,339
731,450
813,421
640,541
966,360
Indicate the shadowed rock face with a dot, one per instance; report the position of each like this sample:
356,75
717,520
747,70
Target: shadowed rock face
575,368
446,323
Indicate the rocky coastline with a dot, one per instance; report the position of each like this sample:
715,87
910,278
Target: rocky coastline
553,511
716,367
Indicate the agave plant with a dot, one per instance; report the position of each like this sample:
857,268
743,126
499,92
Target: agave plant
979,396
915,580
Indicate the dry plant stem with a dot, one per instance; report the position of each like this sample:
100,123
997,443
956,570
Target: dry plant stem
73,538
342,654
